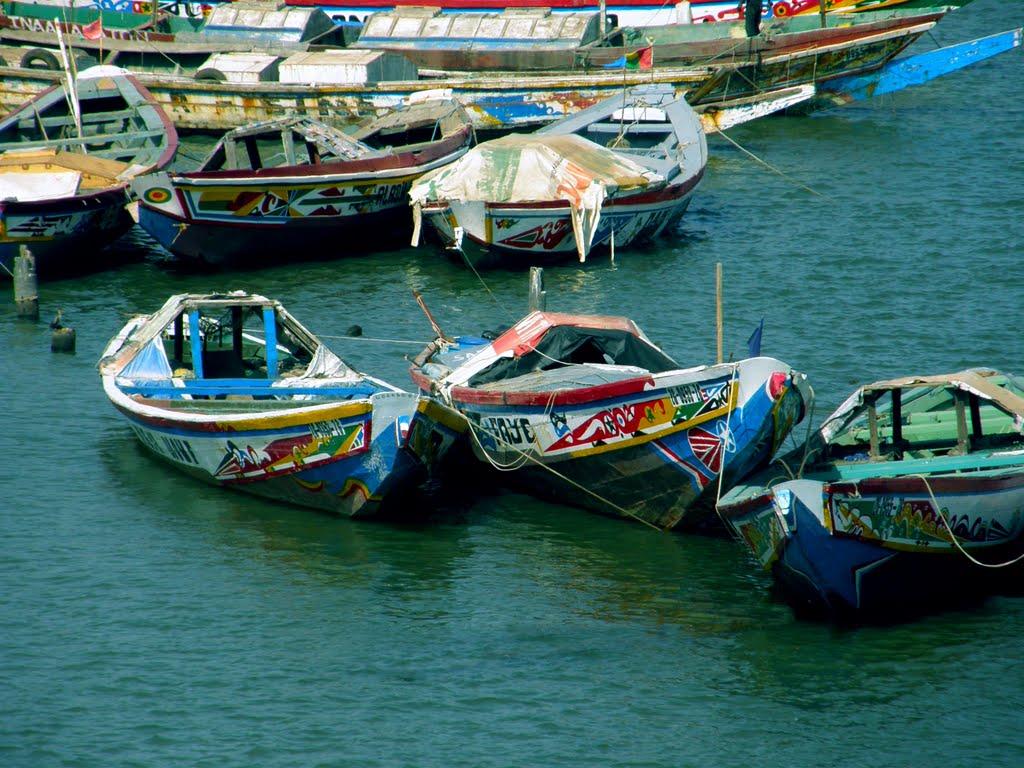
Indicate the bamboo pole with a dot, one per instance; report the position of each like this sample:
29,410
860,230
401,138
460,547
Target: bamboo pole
718,306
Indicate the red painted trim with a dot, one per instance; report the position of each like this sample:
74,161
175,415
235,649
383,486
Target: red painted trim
639,385
746,506
411,161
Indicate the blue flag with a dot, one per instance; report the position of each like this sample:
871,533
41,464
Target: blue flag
754,342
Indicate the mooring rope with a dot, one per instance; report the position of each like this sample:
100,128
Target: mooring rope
774,169
527,457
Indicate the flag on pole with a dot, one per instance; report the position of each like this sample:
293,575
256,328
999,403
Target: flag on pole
754,342
642,58
93,31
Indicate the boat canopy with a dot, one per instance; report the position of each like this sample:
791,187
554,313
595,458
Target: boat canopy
573,345
525,168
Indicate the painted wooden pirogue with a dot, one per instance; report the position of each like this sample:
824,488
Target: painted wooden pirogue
620,172
66,159
626,12
498,100
231,389
906,499
540,41
589,412
162,42
502,101
296,188
731,10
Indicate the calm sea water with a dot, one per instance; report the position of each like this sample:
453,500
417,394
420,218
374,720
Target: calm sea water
146,620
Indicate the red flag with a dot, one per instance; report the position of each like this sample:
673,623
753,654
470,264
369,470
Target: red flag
93,31
642,58
646,58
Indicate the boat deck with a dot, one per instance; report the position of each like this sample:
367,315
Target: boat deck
580,376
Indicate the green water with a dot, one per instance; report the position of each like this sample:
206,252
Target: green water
146,620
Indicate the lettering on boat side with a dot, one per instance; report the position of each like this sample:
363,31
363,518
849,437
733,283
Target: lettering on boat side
692,400
172,447
392,194
328,428
509,430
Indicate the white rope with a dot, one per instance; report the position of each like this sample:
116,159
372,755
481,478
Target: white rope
773,169
527,457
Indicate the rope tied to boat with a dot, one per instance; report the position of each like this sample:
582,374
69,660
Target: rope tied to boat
526,457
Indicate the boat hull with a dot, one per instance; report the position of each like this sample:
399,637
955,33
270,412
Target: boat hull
523,235
317,210
654,450
880,549
62,234
345,459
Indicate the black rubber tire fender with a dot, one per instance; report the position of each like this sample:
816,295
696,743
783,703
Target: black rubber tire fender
40,58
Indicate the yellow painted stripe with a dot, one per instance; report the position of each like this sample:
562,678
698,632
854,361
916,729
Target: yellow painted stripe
344,411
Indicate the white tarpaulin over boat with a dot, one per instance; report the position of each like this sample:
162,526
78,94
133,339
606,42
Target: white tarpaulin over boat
38,186
526,168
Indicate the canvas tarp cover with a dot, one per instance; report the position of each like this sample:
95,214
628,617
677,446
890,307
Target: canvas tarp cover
569,345
525,168
28,187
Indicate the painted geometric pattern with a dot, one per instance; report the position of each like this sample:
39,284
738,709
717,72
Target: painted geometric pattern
285,203
764,534
623,421
53,226
912,523
244,461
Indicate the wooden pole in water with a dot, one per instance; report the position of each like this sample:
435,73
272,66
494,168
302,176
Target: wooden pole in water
718,306
26,284
821,12
537,301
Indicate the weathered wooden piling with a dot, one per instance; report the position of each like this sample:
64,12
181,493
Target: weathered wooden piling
62,339
26,284
537,301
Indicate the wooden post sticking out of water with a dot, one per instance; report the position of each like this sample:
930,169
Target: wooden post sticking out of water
538,296
718,306
26,285
821,11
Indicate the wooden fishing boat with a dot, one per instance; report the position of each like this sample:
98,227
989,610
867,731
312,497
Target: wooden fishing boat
297,188
66,160
908,498
625,12
733,10
589,412
620,172
160,41
494,100
231,389
539,40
